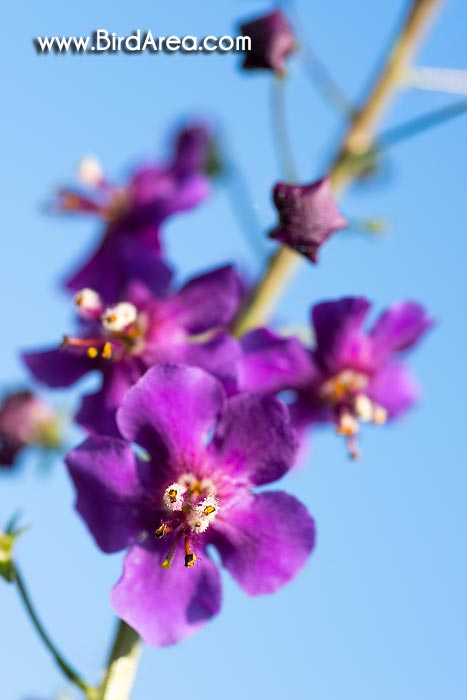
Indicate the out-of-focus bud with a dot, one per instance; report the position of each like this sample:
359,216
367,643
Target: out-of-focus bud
25,420
272,40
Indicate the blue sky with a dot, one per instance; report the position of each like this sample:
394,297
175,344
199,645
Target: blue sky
380,611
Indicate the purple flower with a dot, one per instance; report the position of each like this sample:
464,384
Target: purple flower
205,454
351,375
308,215
122,341
133,214
272,40
25,420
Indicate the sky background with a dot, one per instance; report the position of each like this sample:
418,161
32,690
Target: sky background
380,611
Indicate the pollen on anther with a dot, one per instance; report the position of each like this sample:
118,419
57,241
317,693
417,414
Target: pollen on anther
174,496
107,351
92,352
118,318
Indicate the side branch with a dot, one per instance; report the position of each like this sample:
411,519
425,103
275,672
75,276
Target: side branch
358,139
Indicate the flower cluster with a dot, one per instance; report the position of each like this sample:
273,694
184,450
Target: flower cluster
189,420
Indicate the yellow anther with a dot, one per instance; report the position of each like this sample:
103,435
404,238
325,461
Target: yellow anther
161,530
190,559
173,493
107,351
79,299
166,564
111,318
209,510
92,352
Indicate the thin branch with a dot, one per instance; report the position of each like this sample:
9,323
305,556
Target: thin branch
436,80
358,139
64,666
281,131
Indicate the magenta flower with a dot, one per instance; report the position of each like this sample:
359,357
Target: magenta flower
122,341
351,375
133,214
25,420
308,215
205,453
272,40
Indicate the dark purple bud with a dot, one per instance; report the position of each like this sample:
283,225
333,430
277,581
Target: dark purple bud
308,215
272,40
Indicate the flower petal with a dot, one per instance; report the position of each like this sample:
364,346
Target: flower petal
57,367
271,363
264,543
218,356
109,492
98,411
207,301
166,605
254,439
340,342
399,328
394,388
170,411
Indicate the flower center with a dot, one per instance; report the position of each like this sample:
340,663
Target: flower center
191,506
346,393
119,329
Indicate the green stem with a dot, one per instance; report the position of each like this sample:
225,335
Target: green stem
65,667
122,665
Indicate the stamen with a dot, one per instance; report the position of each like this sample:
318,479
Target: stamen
380,415
167,563
89,303
92,352
90,171
174,496
107,351
364,408
347,425
161,531
119,317
203,514
190,557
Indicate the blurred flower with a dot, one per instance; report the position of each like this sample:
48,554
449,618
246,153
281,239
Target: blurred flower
25,420
122,341
272,40
308,215
133,214
206,453
351,375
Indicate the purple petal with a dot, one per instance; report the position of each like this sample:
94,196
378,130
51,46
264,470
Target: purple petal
98,411
120,259
254,439
271,363
166,605
219,356
340,342
266,542
109,492
171,411
398,328
57,367
394,388
207,301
